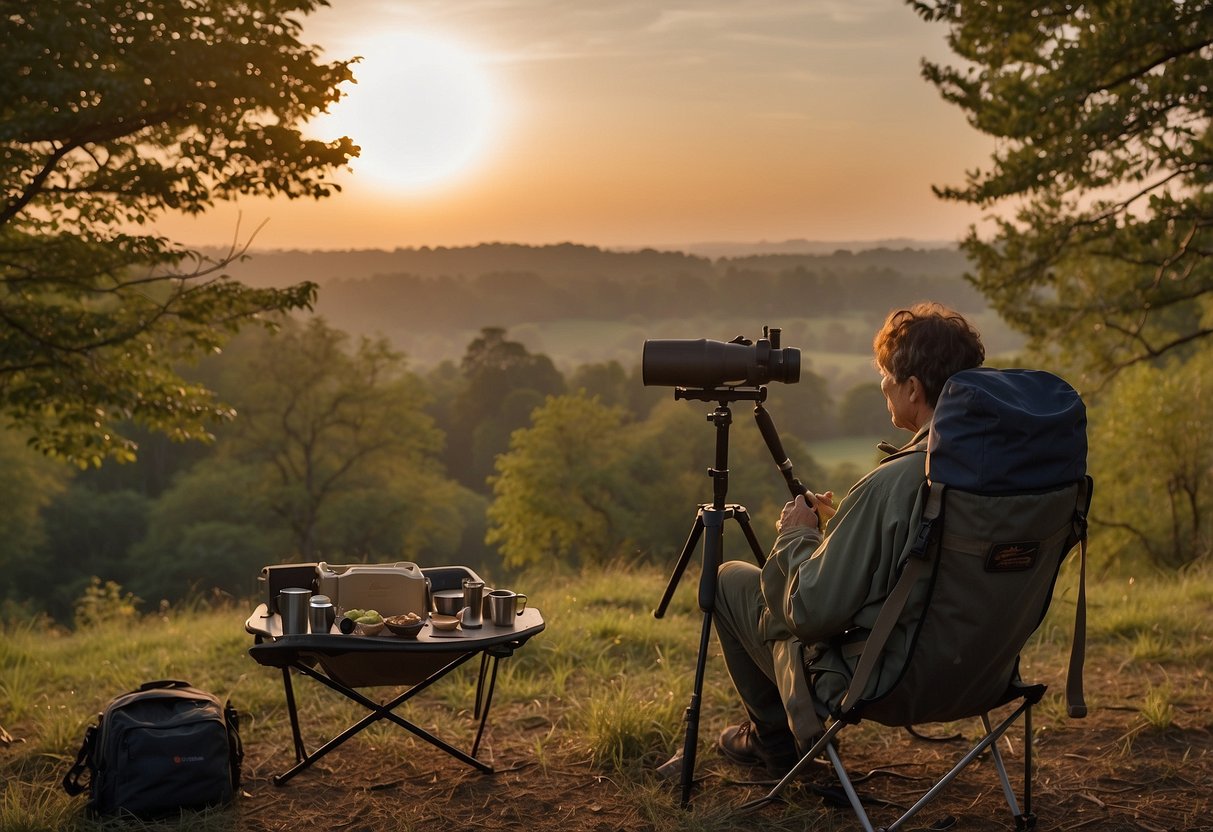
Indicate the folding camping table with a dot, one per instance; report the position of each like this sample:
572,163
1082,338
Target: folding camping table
345,662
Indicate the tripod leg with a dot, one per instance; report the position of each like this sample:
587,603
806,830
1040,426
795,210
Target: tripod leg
743,519
687,549
691,741
713,554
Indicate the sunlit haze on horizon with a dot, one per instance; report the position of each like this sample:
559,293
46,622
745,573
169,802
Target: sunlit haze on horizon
625,124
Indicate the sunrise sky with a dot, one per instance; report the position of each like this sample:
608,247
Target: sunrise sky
627,123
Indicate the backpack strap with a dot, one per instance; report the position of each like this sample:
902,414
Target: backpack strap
915,566
1076,705
235,748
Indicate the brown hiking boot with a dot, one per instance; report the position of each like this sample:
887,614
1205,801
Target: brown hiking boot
742,745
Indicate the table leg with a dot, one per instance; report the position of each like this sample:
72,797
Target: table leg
488,701
300,751
377,712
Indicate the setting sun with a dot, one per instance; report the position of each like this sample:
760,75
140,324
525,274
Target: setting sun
423,111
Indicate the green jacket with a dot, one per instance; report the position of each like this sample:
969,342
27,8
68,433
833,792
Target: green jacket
817,590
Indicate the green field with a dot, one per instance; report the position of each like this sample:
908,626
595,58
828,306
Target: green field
859,451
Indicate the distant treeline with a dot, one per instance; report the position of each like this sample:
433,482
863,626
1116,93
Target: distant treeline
430,289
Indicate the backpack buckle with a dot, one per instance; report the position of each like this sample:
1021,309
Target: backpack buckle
922,539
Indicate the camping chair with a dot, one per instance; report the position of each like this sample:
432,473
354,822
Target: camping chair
998,522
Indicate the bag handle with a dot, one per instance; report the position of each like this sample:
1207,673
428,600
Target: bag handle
165,683
84,763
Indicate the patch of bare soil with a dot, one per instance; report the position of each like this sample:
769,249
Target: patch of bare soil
430,791
1110,771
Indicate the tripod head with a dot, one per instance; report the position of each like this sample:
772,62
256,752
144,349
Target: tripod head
724,395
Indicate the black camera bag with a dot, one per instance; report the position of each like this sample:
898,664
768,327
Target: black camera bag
154,751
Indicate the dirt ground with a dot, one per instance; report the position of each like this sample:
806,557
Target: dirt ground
1110,771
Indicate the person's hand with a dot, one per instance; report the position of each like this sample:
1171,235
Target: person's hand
798,513
823,504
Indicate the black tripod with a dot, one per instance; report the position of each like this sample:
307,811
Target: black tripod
711,518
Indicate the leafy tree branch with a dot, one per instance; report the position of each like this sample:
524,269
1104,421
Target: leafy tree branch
111,114
1101,211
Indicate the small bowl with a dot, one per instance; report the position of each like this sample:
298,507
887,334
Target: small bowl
405,625
448,601
368,629
444,622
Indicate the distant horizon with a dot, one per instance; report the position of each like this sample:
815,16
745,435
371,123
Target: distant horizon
702,248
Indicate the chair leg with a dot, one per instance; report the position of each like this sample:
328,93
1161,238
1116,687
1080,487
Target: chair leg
977,750
1007,791
1027,767
841,773
1023,820
824,743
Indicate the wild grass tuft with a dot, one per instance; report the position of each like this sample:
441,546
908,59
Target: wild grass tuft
33,807
624,726
1157,708
19,688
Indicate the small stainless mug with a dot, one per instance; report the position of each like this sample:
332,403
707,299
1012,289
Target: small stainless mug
321,614
504,607
292,603
473,603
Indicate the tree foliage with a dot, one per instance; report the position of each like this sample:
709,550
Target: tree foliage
112,113
30,484
331,458
1157,423
327,419
669,455
805,408
501,383
88,533
863,410
585,484
1104,248
555,489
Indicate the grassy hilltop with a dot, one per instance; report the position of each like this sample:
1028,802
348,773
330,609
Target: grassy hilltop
585,712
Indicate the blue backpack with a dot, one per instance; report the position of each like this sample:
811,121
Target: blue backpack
1007,432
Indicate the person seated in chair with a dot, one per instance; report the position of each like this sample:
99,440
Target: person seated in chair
814,588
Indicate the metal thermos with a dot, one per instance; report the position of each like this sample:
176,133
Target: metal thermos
321,614
473,603
292,604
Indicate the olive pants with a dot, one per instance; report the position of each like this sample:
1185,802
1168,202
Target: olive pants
749,659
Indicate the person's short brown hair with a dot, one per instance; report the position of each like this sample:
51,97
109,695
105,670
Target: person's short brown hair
930,341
